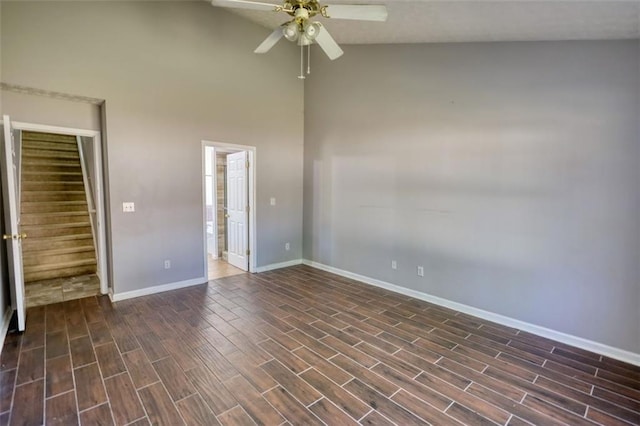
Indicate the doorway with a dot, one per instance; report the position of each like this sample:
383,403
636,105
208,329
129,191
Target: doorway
229,215
60,208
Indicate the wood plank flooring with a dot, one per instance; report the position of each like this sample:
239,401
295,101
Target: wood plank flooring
297,346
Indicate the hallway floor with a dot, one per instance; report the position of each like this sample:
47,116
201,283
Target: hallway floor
219,268
44,292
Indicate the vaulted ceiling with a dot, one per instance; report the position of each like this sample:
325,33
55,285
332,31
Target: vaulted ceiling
477,21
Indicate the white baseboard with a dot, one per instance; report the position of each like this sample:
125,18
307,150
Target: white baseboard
273,266
115,297
579,342
4,326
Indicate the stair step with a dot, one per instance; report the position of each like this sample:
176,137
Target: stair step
30,219
38,261
76,268
68,243
51,175
47,153
53,186
61,265
51,168
78,224
53,206
41,162
36,232
52,137
37,245
63,250
42,258
50,196
53,146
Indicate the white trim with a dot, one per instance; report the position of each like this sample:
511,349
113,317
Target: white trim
88,193
98,198
251,153
45,128
115,297
579,342
4,326
273,266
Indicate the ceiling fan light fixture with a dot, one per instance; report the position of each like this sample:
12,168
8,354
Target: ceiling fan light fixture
311,30
291,31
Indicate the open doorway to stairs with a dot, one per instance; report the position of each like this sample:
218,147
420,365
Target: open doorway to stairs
62,213
229,213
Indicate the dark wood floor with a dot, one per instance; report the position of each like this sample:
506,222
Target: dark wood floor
298,346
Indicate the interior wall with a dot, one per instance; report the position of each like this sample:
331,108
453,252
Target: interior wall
37,109
508,170
172,74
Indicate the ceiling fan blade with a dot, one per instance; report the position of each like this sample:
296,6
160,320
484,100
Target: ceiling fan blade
328,44
360,12
246,4
270,41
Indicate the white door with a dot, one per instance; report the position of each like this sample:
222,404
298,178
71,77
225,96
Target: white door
13,237
237,210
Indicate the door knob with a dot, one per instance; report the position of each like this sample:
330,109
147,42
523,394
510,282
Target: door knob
14,236
226,215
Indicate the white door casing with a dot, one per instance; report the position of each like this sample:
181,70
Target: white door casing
13,237
237,210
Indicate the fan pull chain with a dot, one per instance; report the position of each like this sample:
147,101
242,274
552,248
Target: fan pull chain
309,59
301,76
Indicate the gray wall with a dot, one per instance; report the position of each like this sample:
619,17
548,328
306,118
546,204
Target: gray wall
172,74
38,109
508,170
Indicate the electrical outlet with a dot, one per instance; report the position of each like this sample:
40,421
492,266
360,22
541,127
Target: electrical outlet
421,271
394,264
167,264
272,201
128,207
287,246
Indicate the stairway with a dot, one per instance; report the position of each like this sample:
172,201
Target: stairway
53,209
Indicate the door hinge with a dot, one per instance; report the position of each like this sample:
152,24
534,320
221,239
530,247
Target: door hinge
248,252
248,209
247,164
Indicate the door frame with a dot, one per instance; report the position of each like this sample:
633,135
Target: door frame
251,180
100,189
12,160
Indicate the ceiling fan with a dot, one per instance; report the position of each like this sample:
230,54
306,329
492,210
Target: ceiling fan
301,29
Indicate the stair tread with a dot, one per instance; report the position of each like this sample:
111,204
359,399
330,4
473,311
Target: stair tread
48,154
48,135
52,238
50,172
50,146
38,251
56,214
56,191
50,182
58,225
56,203
64,265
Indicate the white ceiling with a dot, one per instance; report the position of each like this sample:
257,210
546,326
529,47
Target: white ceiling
469,21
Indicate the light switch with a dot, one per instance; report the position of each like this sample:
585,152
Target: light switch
273,201
128,207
